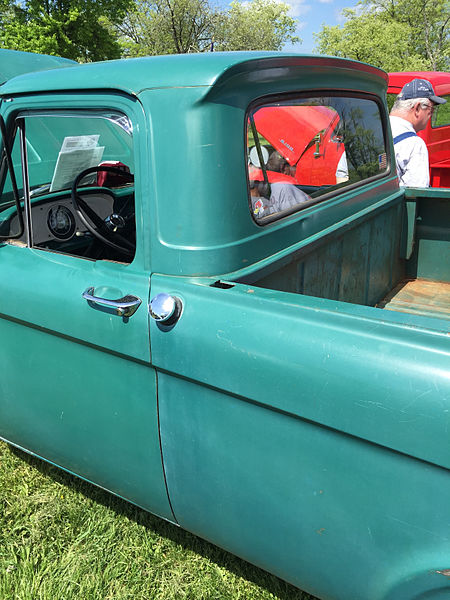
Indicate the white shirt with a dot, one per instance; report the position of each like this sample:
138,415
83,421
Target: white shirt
342,168
411,156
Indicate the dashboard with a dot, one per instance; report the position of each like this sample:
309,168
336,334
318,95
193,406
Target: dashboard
57,220
56,226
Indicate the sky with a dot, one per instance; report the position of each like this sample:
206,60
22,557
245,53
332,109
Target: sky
311,15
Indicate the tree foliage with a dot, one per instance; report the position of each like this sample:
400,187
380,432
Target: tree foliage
88,30
180,26
76,29
168,27
396,35
256,25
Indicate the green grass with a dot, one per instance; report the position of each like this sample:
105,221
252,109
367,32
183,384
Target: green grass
63,539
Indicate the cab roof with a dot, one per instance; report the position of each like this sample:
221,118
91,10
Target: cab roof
185,70
14,63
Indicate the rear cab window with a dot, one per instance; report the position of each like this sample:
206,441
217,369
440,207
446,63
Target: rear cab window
301,149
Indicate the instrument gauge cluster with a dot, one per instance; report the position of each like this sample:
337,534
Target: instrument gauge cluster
61,222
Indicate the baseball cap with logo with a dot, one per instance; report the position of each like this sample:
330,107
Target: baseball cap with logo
419,88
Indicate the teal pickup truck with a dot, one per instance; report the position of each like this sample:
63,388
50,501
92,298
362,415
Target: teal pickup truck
218,304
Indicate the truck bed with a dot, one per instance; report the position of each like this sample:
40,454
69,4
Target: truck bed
420,297
397,257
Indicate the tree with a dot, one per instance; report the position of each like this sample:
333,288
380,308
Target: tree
257,25
180,26
428,21
371,39
168,27
76,29
396,35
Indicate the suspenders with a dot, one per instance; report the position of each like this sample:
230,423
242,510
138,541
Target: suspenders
400,138
403,136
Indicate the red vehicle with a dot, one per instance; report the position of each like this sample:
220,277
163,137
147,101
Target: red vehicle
437,132
306,136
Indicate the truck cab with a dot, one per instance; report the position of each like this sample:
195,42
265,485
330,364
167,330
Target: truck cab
199,319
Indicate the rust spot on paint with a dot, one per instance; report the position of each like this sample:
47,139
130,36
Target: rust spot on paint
250,291
445,572
321,530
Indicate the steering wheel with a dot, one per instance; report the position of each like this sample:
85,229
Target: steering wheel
105,230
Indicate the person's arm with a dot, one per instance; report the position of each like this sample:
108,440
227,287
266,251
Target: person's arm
342,169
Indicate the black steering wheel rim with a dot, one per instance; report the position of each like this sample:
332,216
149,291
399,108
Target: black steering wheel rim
94,223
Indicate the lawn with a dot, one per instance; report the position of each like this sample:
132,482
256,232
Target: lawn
63,539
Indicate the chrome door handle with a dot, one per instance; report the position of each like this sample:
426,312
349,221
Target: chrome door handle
123,307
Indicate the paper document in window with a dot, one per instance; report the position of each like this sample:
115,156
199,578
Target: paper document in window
77,154
79,142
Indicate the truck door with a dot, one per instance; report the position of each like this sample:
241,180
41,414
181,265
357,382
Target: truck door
77,386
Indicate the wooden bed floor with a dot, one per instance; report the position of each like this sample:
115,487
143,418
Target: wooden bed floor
420,297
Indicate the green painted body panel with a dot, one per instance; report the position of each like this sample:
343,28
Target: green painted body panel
89,389
91,412
89,402
203,153
330,513
341,364
431,259
14,63
178,71
305,442
284,416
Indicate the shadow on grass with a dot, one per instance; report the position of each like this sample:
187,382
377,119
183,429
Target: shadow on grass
189,541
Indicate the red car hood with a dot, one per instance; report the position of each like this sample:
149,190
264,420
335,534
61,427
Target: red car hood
291,129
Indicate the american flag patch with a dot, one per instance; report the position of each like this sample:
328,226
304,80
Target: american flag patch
382,161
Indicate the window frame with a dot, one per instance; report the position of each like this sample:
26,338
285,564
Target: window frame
7,167
19,121
285,97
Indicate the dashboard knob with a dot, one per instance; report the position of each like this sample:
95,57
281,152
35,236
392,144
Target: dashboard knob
115,222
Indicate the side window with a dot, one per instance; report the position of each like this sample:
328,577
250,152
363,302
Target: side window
441,115
300,149
78,182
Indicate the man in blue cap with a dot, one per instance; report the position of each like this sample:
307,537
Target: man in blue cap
410,114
